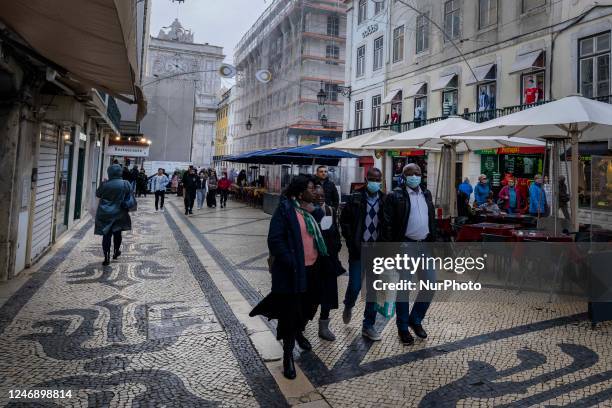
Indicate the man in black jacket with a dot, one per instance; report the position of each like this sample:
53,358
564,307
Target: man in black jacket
408,216
190,180
331,192
361,221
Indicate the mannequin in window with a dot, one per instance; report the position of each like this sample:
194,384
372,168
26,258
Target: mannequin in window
447,107
394,116
483,100
532,93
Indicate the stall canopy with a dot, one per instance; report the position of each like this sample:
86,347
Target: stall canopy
92,41
358,143
305,155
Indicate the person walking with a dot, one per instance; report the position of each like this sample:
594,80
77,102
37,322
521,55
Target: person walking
330,265
201,189
224,187
361,221
159,184
141,183
537,198
331,192
190,180
481,191
111,217
295,243
512,198
134,177
125,175
174,182
211,196
409,217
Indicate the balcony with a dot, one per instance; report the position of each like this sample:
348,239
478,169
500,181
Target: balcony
478,117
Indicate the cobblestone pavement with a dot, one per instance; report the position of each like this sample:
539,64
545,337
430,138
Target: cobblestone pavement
149,330
510,352
155,330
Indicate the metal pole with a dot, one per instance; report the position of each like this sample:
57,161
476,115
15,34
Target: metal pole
554,179
453,175
574,134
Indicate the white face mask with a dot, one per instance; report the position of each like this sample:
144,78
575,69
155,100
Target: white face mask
326,222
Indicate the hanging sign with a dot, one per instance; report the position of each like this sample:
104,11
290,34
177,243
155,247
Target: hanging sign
130,151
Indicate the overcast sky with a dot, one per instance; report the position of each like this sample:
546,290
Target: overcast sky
217,22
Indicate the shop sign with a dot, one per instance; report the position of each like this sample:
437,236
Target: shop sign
514,150
406,153
306,140
130,151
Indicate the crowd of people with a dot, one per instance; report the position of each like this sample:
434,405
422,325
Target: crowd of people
535,201
304,245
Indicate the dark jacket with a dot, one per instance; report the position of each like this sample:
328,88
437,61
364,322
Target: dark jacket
331,193
201,183
126,175
286,248
190,181
563,194
109,215
134,174
352,221
396,212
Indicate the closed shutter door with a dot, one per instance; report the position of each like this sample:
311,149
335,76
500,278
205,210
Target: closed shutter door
45,190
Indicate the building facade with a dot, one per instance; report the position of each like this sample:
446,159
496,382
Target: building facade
482,59
55,127
295,49
224,128
181,85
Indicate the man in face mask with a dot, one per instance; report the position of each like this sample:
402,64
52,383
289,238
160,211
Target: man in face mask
408,216
361,221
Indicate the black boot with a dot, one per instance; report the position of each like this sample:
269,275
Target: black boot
288,363
106,259
116,254
303,342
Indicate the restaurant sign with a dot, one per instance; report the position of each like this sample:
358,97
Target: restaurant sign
514,150
129,151
405,153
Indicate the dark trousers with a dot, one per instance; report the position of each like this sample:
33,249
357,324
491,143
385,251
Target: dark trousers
106,241
211,198
223,197
189,198
159,199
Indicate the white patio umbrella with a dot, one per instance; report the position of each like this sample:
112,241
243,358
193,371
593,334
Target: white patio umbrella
358,142
429,137
574,118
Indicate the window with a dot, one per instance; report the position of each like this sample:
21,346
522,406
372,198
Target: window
378,53
398,44
451,19
362,12
420,108
332,92
332,52
422,33
450,103
487,13
359,114
361,61
594,68
376,110
486,101
532,88
532,4
333,26
379,7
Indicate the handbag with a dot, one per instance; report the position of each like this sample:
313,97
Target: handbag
129,201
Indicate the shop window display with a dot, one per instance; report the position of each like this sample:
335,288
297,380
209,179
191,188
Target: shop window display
450,102
486,101
532,88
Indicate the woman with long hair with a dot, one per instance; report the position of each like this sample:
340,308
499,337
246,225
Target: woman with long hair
295,243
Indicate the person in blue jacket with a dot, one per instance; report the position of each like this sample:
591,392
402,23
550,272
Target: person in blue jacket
481,190
537,198
466,188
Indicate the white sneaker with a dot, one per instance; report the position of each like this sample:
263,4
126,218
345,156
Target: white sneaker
162,210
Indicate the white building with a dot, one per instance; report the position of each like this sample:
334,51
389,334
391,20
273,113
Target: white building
181,86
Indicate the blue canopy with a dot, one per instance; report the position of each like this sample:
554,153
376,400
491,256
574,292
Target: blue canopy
309,151
304,155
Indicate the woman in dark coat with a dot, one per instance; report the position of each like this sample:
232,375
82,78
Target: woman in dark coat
330,265
211,197
295,243
111,219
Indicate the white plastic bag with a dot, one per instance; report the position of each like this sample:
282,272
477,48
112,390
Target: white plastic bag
385,299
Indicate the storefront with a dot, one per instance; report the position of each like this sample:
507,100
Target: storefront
521,163
403,157
127,153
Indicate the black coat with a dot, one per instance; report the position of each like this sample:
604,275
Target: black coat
109,215
396,212
330,266
286,250
352,221
331,193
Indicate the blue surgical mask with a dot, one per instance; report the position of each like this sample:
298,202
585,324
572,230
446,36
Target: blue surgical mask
374,186
413,181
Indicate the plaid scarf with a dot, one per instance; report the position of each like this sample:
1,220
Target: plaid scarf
313,228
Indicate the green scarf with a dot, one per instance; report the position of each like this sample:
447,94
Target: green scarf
313,228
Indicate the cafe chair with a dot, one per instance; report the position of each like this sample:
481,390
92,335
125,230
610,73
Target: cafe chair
502,257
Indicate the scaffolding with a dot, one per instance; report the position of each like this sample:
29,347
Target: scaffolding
302,43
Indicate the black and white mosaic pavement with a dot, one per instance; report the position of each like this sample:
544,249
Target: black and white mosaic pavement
512,352
150,330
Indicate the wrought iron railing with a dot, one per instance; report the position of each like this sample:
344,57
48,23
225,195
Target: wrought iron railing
478,117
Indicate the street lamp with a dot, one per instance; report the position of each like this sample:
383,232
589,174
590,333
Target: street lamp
323,119
321,96
249,125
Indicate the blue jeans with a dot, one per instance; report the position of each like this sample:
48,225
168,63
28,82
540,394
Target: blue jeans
200,196
421,304
352,292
